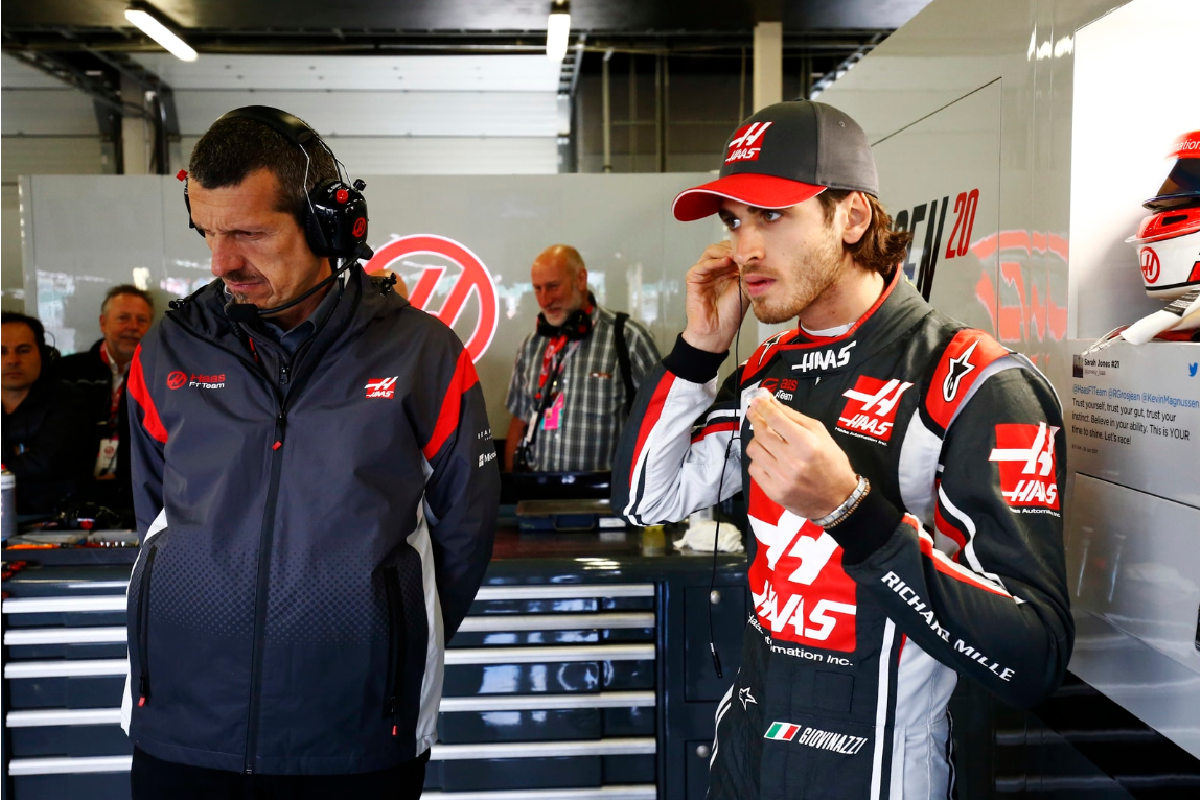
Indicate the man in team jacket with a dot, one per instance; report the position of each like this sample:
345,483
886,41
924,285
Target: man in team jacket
902,475
317,493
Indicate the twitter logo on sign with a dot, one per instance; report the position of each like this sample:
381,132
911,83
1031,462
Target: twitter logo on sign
1192,367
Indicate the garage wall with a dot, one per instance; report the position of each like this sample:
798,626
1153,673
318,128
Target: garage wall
47,129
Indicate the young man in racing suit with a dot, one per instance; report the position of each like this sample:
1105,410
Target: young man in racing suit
902,476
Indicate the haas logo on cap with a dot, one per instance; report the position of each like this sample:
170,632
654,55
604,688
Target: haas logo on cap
747,142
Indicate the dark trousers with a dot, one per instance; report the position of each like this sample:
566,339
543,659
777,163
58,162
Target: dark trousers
155,779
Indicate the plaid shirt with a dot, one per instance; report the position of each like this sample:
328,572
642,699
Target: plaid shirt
593,391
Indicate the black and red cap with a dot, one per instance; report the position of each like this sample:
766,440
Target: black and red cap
782,156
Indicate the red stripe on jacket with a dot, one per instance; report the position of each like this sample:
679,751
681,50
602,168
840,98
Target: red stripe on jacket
716,427
651,417
943,564
136,386
464,378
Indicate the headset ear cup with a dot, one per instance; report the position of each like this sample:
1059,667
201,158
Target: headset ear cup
315,233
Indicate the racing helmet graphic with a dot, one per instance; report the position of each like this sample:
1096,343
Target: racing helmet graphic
1182,185
1168,245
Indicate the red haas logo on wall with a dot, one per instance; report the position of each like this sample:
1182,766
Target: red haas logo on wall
747,142
1025,454
472,280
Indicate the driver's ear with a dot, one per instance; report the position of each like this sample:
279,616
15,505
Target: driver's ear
858,217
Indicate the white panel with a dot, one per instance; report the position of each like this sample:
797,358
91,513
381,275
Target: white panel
537,655
12,277
556,592
50,155
941,177
32,636
385,113
631,791
69,766
491,73
534,702
591,747
55,717
1131,562
64,605
435,155
552,622
83,668
15,74
1117,154
47,112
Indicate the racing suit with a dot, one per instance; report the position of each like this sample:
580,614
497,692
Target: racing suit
953,563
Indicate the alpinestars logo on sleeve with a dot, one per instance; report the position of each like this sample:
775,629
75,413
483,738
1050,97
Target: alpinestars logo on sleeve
1025,454
960,368
746,144
871,407
382,387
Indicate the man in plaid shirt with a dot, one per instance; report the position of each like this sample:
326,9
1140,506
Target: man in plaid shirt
569,394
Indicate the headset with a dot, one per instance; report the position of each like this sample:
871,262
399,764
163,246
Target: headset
577,325
334,215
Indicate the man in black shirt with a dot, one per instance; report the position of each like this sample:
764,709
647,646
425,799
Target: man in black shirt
99,373
47,444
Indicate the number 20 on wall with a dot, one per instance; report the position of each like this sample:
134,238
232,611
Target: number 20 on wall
964,221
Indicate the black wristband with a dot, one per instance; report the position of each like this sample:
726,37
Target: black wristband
697,366
867,528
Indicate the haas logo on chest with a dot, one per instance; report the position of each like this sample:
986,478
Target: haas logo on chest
871,407
801,593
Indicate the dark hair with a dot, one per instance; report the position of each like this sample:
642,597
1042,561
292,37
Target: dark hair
880,249
34,324
126,288
233,148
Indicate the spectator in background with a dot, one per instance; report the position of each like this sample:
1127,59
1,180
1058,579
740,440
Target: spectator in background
99,374
575,376
47,443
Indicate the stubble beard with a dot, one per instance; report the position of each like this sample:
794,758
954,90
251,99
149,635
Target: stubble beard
811,273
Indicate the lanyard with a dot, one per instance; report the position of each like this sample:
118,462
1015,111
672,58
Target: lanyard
553,363
118,382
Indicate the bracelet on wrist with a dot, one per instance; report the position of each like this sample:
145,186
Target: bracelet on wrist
839,514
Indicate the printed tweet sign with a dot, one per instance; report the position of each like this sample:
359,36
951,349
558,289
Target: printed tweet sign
1132,416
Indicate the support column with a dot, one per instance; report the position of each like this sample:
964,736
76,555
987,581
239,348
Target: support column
135,135
768,64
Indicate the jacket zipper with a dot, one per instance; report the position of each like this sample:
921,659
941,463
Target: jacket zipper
143,627
266,537
391,585
266,541
266,534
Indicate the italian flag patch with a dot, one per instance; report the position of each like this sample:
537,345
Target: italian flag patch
782,730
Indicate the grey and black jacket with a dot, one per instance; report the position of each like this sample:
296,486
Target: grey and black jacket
310,538
952,564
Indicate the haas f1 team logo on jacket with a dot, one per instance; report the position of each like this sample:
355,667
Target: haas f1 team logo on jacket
801,594
1025,454
871,407
382,387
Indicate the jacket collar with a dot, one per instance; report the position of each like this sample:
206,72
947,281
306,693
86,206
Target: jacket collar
897,310
363,299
